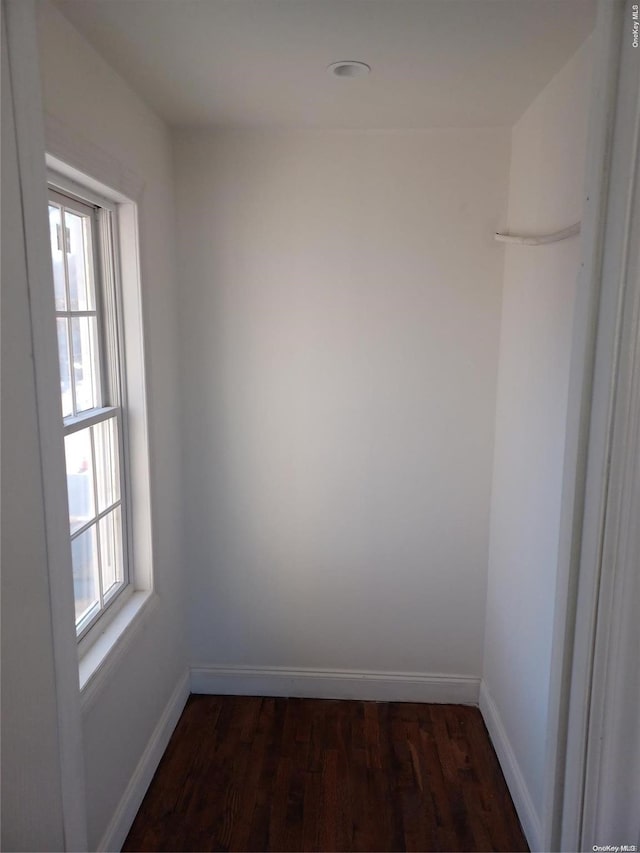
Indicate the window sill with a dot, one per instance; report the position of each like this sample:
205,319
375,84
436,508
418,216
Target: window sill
99,660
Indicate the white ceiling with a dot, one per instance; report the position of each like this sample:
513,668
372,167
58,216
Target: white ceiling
436,63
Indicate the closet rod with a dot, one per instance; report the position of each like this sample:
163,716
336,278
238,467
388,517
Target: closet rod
571,231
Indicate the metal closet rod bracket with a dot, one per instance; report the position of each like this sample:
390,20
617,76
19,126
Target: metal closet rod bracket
541,239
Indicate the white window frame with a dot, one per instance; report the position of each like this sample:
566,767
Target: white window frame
106,640
105,257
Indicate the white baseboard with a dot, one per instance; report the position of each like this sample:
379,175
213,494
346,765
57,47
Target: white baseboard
518,789
120,823
335,684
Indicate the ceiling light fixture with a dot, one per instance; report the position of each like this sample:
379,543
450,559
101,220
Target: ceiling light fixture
349,68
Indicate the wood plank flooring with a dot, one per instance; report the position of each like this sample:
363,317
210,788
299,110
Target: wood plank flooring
257,774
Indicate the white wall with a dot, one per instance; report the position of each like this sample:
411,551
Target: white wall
31,792
340,296
545,194
90,100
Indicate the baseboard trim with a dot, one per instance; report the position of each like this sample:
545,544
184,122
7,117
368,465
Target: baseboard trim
127,808
335,684
529,818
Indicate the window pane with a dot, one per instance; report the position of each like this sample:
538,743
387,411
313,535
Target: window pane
79,262
111,550
57,257
65,368
105,442
77,448
86,589
86,367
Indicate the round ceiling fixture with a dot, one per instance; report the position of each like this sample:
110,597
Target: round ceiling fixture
349,68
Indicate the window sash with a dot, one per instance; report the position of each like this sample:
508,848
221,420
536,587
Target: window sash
101,250
89,418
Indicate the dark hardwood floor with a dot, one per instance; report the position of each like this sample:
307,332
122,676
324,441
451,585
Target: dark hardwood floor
243,773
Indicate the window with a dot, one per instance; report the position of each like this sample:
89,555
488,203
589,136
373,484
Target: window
91,361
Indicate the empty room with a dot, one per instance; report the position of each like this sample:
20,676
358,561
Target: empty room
320,425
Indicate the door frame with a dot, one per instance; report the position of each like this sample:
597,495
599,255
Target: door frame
602,414
19,18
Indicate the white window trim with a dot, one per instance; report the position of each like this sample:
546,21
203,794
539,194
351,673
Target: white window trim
105,643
